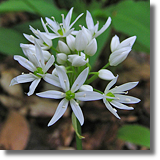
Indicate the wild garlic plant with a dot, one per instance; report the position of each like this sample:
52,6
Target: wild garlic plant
72,67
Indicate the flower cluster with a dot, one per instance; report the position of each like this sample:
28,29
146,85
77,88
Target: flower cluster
71,65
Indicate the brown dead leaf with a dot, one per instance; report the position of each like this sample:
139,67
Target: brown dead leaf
15,132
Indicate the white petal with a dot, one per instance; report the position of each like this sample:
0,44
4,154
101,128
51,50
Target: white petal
25,63
88,96
33,86
44,26
89,21
110,108
80,80
114,43
124,87
68,19
75,20
120,105
52,79
127,42
77,111
49,63
59,111
51,94
105,26
29,37
126,99
39,54
46,55
105,74
110,84
24,78
63,78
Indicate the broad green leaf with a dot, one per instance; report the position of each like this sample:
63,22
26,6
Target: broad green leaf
40,7
132,18
10,41
14,6
74,123
136,134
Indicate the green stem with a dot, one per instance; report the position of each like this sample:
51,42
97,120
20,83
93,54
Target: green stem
95,76
78,140
54,49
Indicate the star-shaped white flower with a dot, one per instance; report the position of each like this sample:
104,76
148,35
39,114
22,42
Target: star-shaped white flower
37,67
70,95
63,29
94,28
115,96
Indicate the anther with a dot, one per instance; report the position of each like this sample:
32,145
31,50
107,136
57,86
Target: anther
62,94
84,95
76,104
63,106
118,98
53,18
22,72
126,92
76,84
65,81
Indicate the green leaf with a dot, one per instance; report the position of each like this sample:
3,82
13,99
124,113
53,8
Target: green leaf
132,18
10,41
41,7
136,134
74,123
14,6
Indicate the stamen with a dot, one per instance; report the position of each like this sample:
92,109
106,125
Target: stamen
76,84
22,72
76,104
53,18
62,94
84,95
63,106
118,98
65,81
126,92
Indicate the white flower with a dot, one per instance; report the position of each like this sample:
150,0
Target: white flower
41,39
77,60
119,50
70,95
116,98
63,29
36,64
105,74
94,28
86,87
29,50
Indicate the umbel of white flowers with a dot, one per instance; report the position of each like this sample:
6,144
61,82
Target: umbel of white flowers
71,65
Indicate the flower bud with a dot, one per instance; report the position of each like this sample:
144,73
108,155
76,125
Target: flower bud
77,60
63,48
61,58
71,42
105,74
86,87
81,41
91,48
119,50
